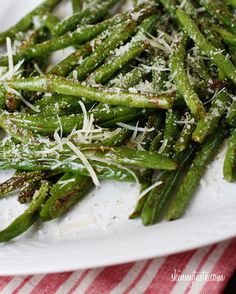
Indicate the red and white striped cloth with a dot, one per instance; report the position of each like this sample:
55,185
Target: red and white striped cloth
158,275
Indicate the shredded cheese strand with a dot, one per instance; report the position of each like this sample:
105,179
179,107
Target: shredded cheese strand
135,132
60,125
65,182
183,3
163,146
18,65
10,58
85,162
121,167
134,128
18,94
85,122
38,69
150,189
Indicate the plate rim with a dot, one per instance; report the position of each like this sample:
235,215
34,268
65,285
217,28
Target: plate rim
49,259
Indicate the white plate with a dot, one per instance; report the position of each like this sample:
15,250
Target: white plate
97,232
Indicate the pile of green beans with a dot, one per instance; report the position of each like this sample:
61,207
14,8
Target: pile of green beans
146,96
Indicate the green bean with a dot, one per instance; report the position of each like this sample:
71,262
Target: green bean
104,171
206,47
71,187
156,143
118,139
213,37
12,100
65,105
27,219
229,169
19,134
139,207
201,70
19,179
69,63
189,8
191,180
118,36
231,3
11,185
232,52
48,125
89,15
155,121
27,192
158,78
37,36
231,117
208,31
128,80
25,23
157,198
146,183
95,153
59,104
137,45
81,35
161,195
220,12
2,97
16,182
182,82
209,123
49,21
64,196
147,175
126,118
77,5
111,96
170,6
228,37
186,135
171,131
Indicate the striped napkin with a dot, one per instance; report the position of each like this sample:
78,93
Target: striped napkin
206,270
